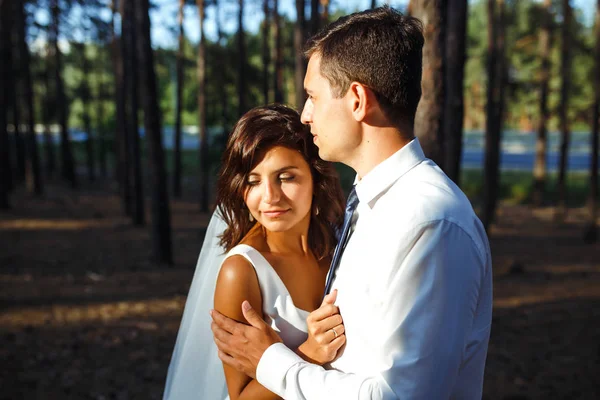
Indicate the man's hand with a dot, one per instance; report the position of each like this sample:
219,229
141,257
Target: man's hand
326,333
241,346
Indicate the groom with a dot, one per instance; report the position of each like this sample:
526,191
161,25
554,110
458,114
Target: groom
414,282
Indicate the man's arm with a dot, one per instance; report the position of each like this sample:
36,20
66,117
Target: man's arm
428,307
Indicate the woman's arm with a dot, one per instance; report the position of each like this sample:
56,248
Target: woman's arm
237,281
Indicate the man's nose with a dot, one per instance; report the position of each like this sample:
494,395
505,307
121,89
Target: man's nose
306,116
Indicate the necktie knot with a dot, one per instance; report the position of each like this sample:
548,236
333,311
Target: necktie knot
352,201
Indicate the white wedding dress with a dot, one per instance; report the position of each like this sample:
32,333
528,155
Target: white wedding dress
195,371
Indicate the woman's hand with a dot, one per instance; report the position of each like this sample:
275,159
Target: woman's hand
326,333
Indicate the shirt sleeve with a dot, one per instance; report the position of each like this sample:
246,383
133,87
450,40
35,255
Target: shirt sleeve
429,304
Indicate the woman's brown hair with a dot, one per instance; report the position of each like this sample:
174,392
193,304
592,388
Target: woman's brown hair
257,131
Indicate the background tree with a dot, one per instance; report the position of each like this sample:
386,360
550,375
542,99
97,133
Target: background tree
429,117
85,95
454,62
539,170
161,220
278,73
266,49
300,65
67,162
494,109
242,67
5,72
132,59
33,172
591,232
204,164
565,128
178,105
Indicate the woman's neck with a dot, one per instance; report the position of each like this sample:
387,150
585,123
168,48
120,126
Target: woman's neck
294,240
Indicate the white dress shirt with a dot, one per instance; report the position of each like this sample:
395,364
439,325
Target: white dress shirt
414,291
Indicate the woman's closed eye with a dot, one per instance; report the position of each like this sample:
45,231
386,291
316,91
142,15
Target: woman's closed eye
286,177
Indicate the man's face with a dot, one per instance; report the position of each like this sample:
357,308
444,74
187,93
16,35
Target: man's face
330,118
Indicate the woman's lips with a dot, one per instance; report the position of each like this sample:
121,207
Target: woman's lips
274,213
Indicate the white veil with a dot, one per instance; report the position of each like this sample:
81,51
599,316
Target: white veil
195,371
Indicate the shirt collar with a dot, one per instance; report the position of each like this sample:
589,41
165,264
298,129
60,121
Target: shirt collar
380,178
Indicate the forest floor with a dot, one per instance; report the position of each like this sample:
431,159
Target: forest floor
84,314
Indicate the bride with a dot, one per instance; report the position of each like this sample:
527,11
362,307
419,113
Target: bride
269,242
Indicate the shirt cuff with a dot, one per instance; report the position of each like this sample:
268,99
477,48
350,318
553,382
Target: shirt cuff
274,365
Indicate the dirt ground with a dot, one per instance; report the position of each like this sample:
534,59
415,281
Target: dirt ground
84,314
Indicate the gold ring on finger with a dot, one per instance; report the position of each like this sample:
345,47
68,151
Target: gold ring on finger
334,333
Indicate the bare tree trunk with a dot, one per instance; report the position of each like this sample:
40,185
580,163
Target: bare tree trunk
50,164
100,122
300,67
373,4
121,148
315,17
221,71
561,209
204,164
14,97
130,76
241,39
591,232
5,76
161,217
33,174
325,12
178,100
455,48
539,169
278,73
429,118
266,51
494,108
87,124
68,165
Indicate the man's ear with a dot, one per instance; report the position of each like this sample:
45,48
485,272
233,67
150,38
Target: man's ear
359,98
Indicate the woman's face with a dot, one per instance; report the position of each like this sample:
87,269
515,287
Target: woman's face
280,189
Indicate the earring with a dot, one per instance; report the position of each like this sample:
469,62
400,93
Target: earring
316,211
250,217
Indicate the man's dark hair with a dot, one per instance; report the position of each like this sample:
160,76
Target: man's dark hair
380,48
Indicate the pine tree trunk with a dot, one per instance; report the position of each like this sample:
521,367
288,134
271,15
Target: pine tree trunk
278,73
178,99
5,72
539,169
266,50
300,64
161,218
201,72
100,122
315,17
561,209
325,12
373,3
494,110
87,124
241,41
67,163
591,234
50,165
14,97
130,76
429,118
455,49
121,148
221,72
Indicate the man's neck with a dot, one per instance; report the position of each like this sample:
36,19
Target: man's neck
377,146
